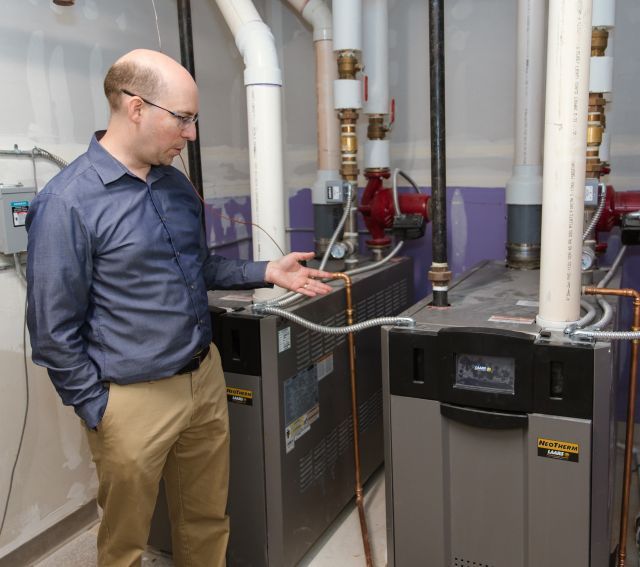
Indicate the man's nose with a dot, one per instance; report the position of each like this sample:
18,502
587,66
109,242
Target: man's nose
190,132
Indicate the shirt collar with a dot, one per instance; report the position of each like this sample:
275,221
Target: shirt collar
110,169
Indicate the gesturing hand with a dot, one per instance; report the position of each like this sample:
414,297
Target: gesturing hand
288,273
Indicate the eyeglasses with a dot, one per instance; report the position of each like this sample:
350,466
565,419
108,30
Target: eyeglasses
183,119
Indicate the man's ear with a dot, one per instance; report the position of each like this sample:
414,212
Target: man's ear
134,109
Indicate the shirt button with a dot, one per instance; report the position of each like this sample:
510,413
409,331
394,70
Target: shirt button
164,219
200,321
192,286
177,254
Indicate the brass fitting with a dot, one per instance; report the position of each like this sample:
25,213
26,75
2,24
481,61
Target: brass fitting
595,129
348,144
348,65
376,130
599,40
439,275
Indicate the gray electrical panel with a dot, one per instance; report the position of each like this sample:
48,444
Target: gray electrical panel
15,201
499,439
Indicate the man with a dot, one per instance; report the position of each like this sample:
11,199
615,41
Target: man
118,273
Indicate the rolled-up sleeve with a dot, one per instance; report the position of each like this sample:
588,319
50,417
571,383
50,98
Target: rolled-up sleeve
59,275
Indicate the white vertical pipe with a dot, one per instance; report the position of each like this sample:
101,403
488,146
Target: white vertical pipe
525,186
347,25
263,79
568,55
375,55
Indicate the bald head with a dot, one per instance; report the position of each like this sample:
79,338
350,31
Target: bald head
146,73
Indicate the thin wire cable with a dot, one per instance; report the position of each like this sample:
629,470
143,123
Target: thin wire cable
26,410
225,216
394,183
157,26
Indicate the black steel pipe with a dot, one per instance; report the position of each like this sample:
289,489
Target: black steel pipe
439,273
187,60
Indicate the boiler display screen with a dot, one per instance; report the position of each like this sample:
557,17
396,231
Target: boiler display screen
494,374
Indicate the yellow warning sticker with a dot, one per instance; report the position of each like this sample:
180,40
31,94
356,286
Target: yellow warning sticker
240,396
561,450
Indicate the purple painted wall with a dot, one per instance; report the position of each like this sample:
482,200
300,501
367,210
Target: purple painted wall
476,230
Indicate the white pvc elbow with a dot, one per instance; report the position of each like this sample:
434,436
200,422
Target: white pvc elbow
257,46
318,14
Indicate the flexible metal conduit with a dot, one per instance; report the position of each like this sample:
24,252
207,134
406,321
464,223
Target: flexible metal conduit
596,217
261,308
587,317
36,152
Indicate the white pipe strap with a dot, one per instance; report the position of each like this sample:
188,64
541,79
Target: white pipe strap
601,75
347,93
257,46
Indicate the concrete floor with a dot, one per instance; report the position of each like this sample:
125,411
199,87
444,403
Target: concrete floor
340,546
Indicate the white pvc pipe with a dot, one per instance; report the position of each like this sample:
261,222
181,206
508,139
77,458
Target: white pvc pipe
525,185
568,55
375,56
347,25
263,80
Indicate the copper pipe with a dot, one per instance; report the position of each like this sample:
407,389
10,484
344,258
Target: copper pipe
631,408
354,421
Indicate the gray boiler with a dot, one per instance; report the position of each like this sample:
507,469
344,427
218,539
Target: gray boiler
499,439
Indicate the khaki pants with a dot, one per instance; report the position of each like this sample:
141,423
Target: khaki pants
176,428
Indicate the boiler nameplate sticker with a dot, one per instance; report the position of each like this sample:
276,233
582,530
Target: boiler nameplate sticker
560,450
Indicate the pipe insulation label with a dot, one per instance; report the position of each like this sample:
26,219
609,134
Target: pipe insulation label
559,450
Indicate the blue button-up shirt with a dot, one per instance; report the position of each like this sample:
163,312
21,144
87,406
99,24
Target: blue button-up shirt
118,272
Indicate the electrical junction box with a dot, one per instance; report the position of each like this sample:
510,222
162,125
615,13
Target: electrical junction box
15,201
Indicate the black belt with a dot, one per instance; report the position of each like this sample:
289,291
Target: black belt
195,362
